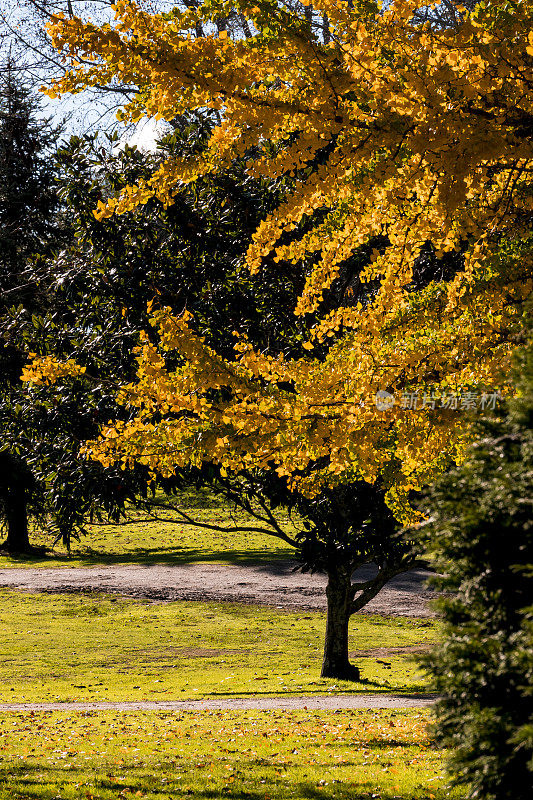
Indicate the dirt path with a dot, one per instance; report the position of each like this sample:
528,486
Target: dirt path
325,703
273,584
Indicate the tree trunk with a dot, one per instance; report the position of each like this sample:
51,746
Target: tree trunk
339,594
17,520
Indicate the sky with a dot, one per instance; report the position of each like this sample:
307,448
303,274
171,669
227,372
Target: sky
145,135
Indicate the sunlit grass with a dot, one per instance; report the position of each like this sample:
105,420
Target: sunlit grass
257,755
72,647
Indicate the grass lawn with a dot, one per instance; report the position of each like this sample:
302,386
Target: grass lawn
159,542
256,755
74,647
68,647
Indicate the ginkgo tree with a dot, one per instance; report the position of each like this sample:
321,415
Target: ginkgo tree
399,136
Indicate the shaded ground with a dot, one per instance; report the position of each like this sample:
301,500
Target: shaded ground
271,584
325,703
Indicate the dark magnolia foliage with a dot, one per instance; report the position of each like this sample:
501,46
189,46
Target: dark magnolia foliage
88,300
29,231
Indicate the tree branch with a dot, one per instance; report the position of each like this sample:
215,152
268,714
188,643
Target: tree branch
186,519
369,589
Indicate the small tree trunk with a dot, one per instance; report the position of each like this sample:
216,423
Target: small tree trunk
336,663
17,521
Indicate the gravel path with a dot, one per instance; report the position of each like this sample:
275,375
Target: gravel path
325,703
272,584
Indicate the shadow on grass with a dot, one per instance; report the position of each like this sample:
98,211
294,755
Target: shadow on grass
168,556
416,692
44,782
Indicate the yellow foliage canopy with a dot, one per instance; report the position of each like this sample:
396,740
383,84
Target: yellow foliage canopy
48,369
392,129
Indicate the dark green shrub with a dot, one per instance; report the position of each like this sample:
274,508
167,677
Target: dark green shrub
482,538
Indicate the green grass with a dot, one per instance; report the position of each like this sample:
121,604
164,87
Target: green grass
164,542
72,647
253,755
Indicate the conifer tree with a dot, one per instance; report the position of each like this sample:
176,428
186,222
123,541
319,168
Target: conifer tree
482,537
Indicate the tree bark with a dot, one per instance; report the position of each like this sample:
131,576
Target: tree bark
339,595
16,518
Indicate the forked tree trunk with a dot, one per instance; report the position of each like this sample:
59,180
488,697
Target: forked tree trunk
16,518
339,593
